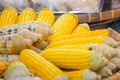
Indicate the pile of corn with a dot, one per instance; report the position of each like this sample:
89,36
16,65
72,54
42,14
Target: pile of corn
9,16
74,51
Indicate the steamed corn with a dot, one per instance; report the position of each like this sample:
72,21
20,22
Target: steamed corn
65,24
27,15
81,28
74,58
46,16
40,66
8,17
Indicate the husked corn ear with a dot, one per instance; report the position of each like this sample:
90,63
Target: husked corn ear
40,66
65,24
75,75
27,15
46,16
2,67
81,28
74,58
77,46
102,32
80,40
8,16
68,58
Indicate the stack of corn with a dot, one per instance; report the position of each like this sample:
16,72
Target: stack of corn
74,51
76,48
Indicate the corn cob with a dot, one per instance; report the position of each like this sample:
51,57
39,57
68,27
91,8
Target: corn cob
46,16
85,40
74,58
65,24
8,17
81,40
107,51
2,67
37,27
103,32
81,28
16,69
77,46
40,66
81,74
26,15
76,35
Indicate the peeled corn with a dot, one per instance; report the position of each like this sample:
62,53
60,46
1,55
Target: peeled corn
102,32
81,28
82,40
27,15
65,24
8,16
76,46
40,66
86,40
75,75
46,16
2,67
74,58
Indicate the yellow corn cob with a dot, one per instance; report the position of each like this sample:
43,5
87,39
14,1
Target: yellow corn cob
2,67
27,15
102,32
81,28
74,58
40,66
65,24
82,74
46,16
8,17
80,40
76,46
75,75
